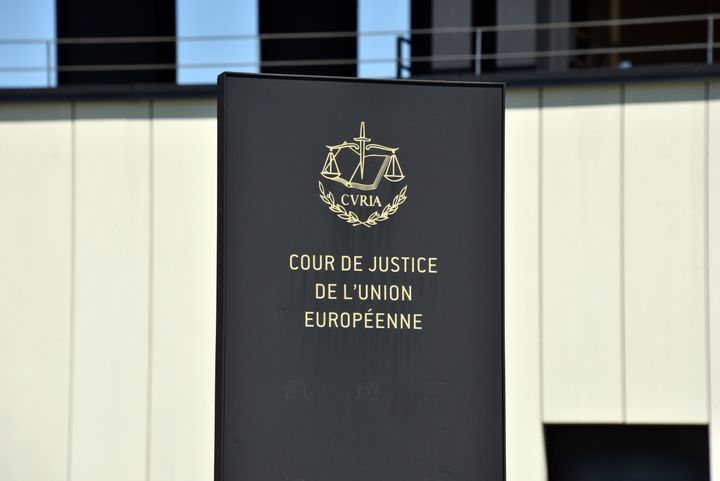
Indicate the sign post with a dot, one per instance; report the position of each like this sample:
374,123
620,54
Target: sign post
360,280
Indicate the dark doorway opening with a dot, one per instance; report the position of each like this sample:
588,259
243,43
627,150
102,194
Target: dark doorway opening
627,453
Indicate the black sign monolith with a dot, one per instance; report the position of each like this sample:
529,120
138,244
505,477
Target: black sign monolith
360,280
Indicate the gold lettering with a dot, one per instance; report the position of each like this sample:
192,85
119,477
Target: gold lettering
325,291
293,265
314,262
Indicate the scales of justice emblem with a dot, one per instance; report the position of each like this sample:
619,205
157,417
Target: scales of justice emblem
360,167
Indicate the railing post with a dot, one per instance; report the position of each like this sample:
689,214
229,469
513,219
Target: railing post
259,54
48,62
478,51
398,57
399,64
710,40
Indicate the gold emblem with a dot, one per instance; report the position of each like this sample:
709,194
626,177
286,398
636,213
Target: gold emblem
361,168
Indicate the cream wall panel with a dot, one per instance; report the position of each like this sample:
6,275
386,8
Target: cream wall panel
109,411
713,217
664,237
35,280
524,436
183,302
582,325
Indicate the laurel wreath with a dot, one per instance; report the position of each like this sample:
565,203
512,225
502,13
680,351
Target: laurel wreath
351,218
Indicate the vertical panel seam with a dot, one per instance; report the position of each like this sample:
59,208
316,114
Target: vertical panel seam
151,280
623,341
706,252
73,276
541,304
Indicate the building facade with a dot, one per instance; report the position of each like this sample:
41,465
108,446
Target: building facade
107,275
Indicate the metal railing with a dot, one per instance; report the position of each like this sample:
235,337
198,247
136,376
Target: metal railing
400,38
